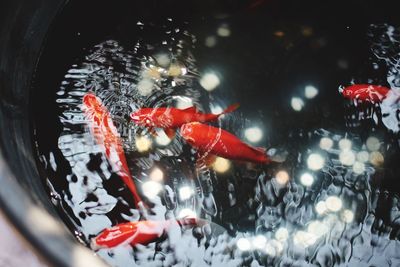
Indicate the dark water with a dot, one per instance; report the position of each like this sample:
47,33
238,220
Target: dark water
333,202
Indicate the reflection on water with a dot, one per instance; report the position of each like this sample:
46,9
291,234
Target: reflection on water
321,206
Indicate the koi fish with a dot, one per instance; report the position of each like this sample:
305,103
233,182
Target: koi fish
215,141
106,134
365,92
135,233
171,118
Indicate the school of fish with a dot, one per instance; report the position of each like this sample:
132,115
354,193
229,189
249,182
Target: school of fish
206,139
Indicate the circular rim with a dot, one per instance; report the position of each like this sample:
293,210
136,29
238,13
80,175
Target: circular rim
48,237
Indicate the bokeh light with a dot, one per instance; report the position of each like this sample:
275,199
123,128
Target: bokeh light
185,192
345,144
243,244
270,250
297,103
176,70
210,41
376,159
209,81
282,177
151,189
221,165
333,203
253,134
307,31
310,91
321,208
152,73
282,234
277,245
347,157
358,167
373,143
304,239
362,156
326,143
315,162
347,216
224,30
145,87
162,59
317,228
307,179
156,175
143,143
259,242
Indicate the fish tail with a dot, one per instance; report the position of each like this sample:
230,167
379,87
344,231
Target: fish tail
264,159
125,174
230,109
271,155
277,155
260,155
261,149
128,180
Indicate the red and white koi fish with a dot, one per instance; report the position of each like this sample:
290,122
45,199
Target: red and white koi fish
106,134
365,92
215,141
171,118
136,233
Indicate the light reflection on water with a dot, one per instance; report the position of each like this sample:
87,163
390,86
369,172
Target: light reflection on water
317,208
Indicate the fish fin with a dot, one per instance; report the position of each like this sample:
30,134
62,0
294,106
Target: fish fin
263,156
190,109
231,108
170,132
277,155
261,149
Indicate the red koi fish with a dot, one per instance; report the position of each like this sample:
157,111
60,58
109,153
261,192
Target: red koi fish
135,233
106,134
171,118
365,92
215,141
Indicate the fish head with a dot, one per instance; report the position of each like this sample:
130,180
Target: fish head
90,101
348,92
142,117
